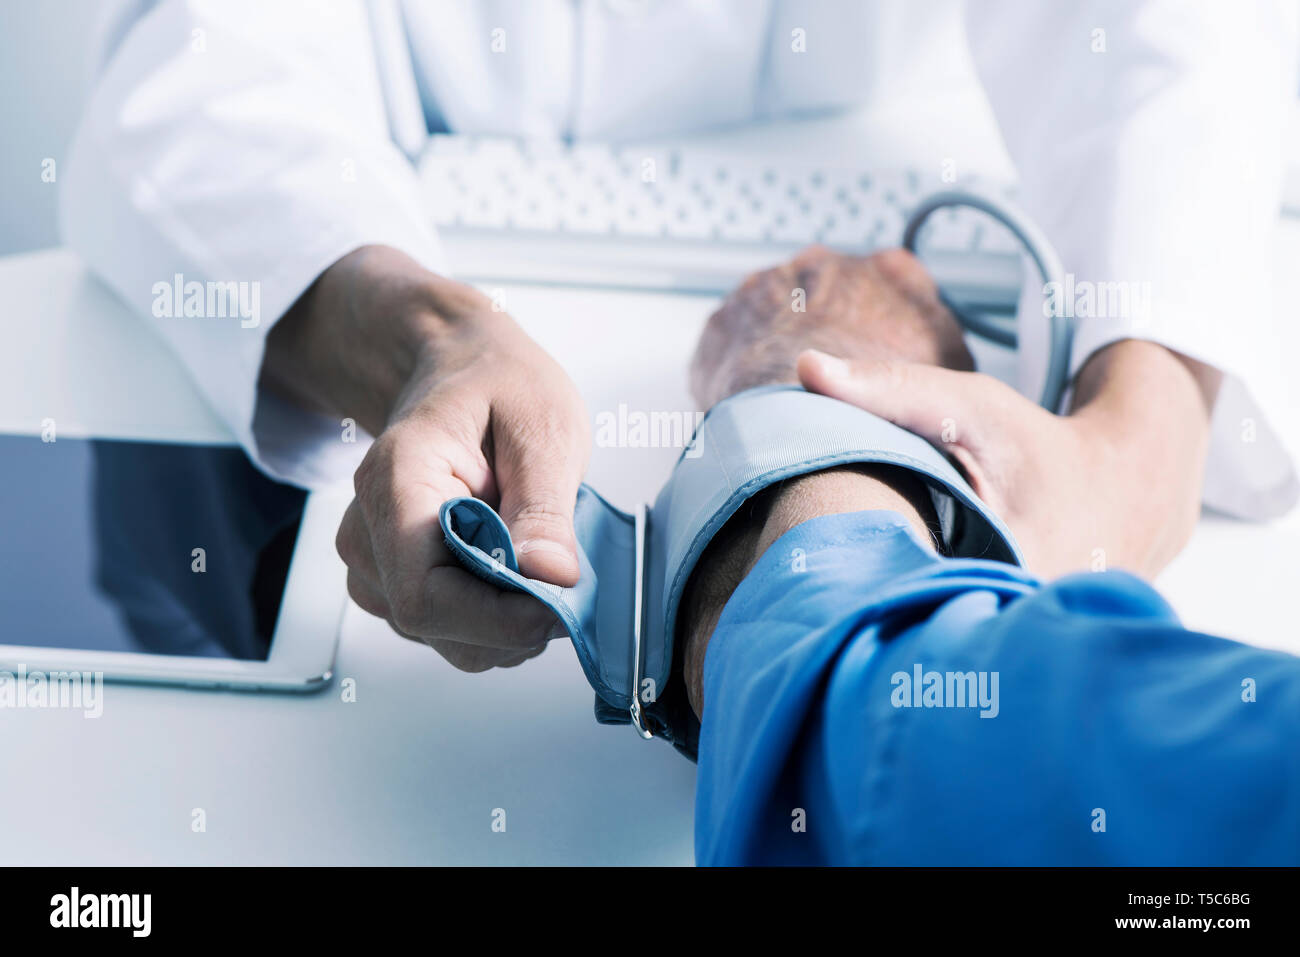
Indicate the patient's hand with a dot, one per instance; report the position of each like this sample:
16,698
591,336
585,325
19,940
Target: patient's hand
883,306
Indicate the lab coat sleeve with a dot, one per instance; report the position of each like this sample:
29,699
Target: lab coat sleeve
241,141
1148,139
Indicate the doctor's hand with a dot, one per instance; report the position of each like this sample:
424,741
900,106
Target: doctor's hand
461,402
1116,483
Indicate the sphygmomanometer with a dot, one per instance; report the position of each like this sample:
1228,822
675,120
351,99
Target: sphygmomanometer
622,613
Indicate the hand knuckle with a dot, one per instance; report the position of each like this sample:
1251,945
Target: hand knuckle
364,600
407,606
899,266
374,467
465,657
992,387
543,517
345,543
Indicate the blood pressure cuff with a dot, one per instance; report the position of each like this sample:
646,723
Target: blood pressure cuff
622,614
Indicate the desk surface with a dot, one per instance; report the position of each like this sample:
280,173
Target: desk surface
413,771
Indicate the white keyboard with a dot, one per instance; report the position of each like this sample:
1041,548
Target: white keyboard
689,221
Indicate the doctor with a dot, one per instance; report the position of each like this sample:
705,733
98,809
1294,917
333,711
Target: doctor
218,138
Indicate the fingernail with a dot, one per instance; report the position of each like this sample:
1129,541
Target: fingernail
833,367
542,545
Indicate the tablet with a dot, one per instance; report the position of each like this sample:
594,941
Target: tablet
164,562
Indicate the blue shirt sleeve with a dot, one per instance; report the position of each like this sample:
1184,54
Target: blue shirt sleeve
868,702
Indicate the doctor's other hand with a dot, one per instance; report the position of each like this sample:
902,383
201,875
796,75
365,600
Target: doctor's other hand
461,402
1116,483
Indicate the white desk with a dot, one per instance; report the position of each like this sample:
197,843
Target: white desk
412,771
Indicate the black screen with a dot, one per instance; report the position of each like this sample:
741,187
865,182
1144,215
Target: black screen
141,546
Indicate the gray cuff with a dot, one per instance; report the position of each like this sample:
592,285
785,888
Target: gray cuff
622,613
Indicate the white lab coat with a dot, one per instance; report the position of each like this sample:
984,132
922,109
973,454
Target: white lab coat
213,144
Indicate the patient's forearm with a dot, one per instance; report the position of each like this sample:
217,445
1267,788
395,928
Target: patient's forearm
765,518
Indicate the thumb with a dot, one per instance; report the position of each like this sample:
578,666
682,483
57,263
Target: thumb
940,405
538,479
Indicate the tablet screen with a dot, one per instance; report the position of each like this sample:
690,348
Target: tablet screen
139,546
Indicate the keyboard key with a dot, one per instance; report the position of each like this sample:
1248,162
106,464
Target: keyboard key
518,202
